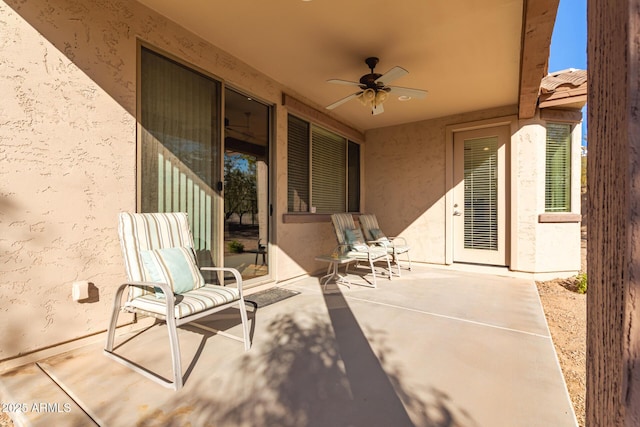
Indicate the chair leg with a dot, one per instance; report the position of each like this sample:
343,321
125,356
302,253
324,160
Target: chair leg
373,270
389,267
245,326
115,312
173,342
175,352
395,260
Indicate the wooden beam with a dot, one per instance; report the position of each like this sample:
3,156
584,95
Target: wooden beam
538,20
572,116
560,101
613,214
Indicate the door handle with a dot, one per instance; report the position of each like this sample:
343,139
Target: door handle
456,212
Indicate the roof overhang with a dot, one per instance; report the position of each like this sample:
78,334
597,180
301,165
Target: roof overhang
539,19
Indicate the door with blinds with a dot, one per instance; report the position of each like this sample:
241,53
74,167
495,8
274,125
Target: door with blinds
479,196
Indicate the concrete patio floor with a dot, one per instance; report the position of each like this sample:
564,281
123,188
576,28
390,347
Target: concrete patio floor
436,347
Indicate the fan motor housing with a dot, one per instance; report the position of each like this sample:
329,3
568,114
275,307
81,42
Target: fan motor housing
369,80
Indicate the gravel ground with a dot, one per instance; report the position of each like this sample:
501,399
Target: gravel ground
566,313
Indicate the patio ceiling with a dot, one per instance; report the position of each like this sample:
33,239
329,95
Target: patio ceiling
465,53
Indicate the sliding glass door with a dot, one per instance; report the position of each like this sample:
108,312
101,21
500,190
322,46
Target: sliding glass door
246,184
185,166
180,115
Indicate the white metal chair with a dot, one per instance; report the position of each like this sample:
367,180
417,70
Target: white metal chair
350,236
395,246
164,282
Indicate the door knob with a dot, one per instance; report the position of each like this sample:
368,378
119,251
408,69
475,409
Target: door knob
456,212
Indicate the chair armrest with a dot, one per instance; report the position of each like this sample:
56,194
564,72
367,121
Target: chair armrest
235,272
402,240
164,287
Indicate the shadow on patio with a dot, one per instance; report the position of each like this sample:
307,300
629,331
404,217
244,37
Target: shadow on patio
436,349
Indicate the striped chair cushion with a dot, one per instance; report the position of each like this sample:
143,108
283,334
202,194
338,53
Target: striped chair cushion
342,222
373,252
192,302
146,231
368,222
398,249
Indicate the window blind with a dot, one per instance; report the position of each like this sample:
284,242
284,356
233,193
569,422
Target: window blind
557,192
481,193
180,128
298,165
328,171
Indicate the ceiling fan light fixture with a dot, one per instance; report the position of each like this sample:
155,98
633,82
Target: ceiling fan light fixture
374,90
367,97
381,96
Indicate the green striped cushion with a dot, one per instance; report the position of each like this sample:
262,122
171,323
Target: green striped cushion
373,253
342,222
368,222
200,299
174,266
377,234
145,231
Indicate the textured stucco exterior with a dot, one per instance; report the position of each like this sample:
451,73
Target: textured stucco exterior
406,187
68,154
68,165
543,247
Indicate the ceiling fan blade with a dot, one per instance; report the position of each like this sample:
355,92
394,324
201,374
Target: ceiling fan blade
343,100
343,82
405,91
391,75
377,110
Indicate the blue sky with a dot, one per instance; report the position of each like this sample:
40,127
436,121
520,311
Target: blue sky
569,42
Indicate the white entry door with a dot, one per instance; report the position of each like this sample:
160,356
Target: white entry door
479,195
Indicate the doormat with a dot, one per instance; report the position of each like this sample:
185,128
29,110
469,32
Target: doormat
270,296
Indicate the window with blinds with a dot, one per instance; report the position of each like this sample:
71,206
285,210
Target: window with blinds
481,193
557,191
298,165
328,171
323,169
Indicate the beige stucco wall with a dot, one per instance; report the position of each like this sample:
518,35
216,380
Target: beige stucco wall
405,184
406,188
543,247
528,164
547,249
68,159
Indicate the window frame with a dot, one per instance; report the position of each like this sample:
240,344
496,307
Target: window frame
309,167
549,207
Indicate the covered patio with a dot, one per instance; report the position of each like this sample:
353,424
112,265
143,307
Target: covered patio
436,347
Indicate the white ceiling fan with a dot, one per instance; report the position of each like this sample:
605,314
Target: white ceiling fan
374,90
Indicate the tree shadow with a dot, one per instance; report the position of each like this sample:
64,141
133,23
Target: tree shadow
310,371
